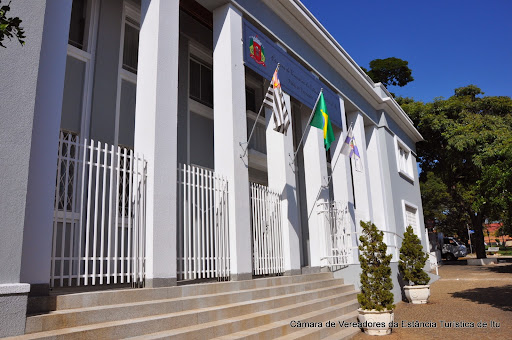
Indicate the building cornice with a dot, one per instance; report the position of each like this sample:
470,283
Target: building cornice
300,19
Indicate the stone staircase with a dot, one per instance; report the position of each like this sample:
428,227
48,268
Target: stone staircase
256,309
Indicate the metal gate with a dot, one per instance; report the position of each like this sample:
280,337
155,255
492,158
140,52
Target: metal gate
203,224
266,223
99,223
336,240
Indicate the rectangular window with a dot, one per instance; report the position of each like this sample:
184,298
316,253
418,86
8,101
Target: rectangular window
131,45
250,99
410,212
77,24
201,82
404,159
410,217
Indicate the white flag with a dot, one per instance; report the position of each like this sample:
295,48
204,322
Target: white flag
274,100
350,149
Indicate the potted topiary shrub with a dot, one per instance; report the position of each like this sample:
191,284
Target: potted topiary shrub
412,261
376,298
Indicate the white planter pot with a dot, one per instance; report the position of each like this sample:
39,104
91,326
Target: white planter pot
417,294
377,323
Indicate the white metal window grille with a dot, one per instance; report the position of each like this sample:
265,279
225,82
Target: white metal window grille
203,224
336,237
98,236
411,218
266,223
404,159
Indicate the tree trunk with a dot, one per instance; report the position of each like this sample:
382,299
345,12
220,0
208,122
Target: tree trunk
479,246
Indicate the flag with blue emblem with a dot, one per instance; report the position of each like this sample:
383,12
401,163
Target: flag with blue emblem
350,149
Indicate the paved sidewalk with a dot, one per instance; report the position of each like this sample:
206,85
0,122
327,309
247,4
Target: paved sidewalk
464,294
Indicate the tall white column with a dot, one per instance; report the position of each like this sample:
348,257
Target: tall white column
342,176
156,133
362,194
376,177
30,107
315,175
38,230
230,128
281,178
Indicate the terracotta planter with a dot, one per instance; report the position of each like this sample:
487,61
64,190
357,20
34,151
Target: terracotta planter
417,294
375,322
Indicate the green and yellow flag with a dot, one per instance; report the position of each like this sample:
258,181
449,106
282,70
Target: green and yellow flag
321,120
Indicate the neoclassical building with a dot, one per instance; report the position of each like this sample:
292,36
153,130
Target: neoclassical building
125,159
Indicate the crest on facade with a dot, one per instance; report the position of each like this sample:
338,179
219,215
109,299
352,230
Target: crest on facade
257,51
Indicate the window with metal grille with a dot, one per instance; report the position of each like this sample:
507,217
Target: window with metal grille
411,217
404,159
66,172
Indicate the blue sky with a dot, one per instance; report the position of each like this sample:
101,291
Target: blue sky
448,44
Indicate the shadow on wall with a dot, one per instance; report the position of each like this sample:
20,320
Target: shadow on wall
499,297
402,283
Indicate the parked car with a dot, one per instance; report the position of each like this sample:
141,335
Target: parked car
453,249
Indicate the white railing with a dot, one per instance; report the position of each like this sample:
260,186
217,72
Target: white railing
99,217
266,223
336,237
392,243
203,224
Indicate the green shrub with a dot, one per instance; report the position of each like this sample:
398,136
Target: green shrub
376,281
412,259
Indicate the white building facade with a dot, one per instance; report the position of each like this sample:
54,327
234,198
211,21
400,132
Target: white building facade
123,138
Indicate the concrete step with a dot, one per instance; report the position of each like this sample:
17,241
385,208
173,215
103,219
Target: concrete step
324,332
256,309
344,334
255,322
119,296
204,322
90,315
283,329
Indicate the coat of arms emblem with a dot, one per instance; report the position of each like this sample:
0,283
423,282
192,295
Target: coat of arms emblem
257,51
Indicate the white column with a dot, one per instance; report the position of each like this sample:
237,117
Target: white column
30,107
315,175
230,128
363,204
281,178
38,230
342,176
376,177
156,133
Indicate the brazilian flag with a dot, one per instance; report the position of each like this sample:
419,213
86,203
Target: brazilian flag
322,121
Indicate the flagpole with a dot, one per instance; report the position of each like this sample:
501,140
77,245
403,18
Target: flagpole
337,158
307,126
256,121
328,179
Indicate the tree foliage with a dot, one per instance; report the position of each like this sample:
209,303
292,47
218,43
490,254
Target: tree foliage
376,281
412,259
466,160
10,27
390,71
